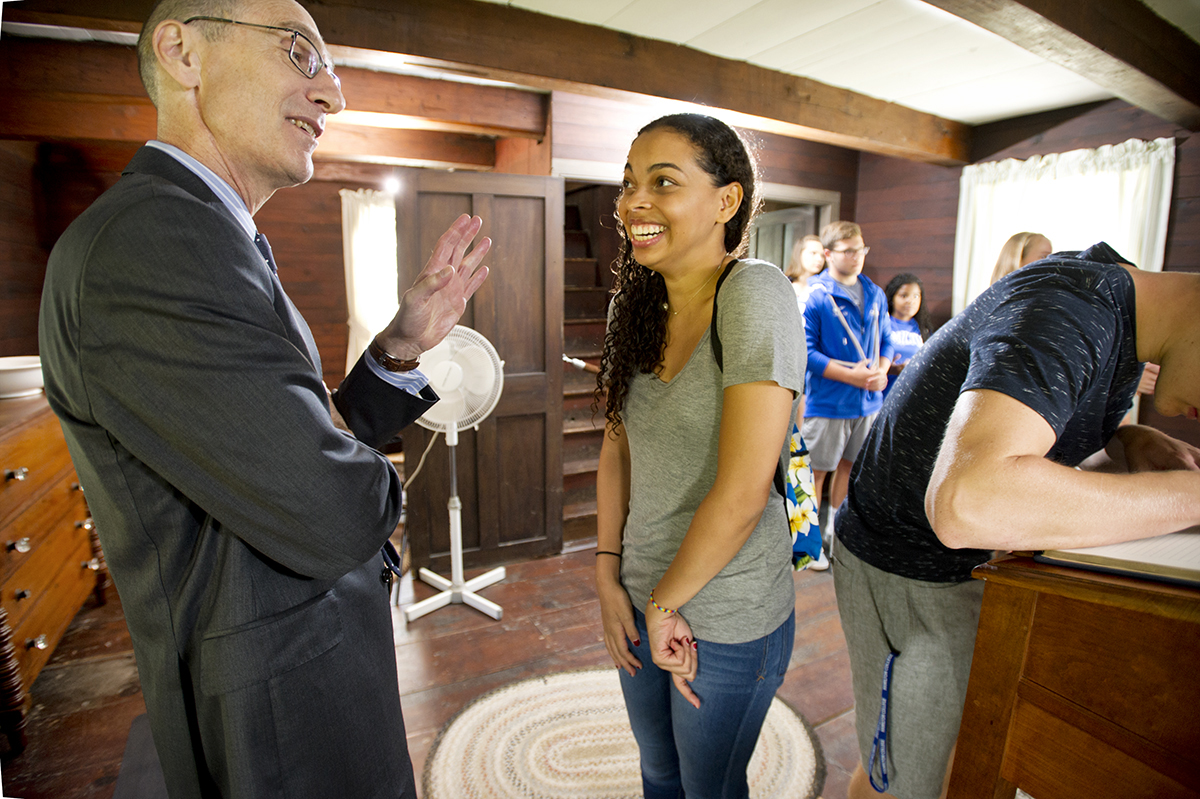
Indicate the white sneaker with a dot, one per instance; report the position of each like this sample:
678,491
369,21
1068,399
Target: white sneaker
820,564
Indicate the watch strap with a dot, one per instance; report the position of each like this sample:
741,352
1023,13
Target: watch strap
390,362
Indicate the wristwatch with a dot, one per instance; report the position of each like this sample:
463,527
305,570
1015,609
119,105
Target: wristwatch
390,362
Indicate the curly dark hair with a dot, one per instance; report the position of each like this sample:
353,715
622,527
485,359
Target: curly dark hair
923,320
638,322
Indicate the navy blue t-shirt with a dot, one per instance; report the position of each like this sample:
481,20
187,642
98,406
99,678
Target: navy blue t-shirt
1057,336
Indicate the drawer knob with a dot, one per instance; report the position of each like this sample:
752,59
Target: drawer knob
18,474
76,487
37,643
93,564
23,594
21,545
87,524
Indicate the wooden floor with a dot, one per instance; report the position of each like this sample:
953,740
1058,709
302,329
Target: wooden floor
89,693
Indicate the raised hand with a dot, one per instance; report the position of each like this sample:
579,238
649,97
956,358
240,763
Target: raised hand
438,298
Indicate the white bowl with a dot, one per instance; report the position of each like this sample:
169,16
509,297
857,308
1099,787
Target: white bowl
20,376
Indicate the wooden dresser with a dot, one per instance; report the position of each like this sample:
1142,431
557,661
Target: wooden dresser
50,558
1083,686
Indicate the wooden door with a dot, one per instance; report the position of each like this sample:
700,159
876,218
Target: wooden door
776,232
510,469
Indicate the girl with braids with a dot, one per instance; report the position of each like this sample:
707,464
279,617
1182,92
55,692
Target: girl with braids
693,564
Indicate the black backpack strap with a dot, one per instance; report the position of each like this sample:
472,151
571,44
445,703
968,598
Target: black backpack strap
714,339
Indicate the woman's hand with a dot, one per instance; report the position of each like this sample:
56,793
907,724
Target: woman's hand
616,614
673,649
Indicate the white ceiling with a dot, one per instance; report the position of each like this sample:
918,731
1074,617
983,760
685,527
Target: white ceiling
902,51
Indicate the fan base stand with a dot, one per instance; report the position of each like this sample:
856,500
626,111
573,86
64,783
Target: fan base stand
460,595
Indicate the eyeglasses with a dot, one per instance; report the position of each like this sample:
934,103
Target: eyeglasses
852,253
302,51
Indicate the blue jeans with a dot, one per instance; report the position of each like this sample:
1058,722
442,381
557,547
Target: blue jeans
704,753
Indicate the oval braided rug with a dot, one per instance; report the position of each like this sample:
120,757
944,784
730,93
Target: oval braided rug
567,735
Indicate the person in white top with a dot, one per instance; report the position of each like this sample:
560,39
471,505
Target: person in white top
808,259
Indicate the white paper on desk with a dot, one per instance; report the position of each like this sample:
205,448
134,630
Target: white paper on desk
1175,555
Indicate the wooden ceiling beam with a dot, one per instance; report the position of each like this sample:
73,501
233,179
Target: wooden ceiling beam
116,118
45,65
447,105
64,116
1119,44
497,41
430,148
49,66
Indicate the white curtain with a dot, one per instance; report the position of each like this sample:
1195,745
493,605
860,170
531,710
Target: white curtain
369,245
1119,193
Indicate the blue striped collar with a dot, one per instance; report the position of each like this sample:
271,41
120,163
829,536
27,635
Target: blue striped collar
228,196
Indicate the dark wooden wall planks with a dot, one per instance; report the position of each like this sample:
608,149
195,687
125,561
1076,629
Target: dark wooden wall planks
22,255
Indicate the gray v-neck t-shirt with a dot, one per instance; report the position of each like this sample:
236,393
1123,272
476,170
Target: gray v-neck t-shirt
672,430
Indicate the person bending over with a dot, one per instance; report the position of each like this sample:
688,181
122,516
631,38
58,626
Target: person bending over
973,452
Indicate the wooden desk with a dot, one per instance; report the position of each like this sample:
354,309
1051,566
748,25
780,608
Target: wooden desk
1082,685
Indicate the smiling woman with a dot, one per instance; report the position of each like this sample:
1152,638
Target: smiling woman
694,562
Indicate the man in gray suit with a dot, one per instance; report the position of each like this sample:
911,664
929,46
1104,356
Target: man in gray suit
242,515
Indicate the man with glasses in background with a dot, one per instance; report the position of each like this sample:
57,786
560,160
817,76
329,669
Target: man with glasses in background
241,508
849,337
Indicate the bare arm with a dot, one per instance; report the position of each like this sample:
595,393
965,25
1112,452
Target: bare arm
754,423
993,488
612,507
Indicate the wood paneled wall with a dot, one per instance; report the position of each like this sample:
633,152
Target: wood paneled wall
43,187
22,256
811,165
908,210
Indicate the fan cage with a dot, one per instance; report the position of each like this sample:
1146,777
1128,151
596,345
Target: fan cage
459,338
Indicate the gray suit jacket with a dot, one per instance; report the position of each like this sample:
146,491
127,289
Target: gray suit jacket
241,527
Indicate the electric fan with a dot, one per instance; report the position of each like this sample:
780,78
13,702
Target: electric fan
468,375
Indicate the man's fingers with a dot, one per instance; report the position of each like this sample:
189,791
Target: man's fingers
454,242
476,281
473,259
463,240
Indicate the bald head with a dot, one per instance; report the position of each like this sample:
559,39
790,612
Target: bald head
180,10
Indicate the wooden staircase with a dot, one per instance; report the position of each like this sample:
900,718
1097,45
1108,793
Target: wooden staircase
585,304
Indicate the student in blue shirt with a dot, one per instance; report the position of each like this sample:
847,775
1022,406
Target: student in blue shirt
850,348
910,321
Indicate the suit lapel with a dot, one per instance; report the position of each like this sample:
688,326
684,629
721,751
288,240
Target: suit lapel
151,161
